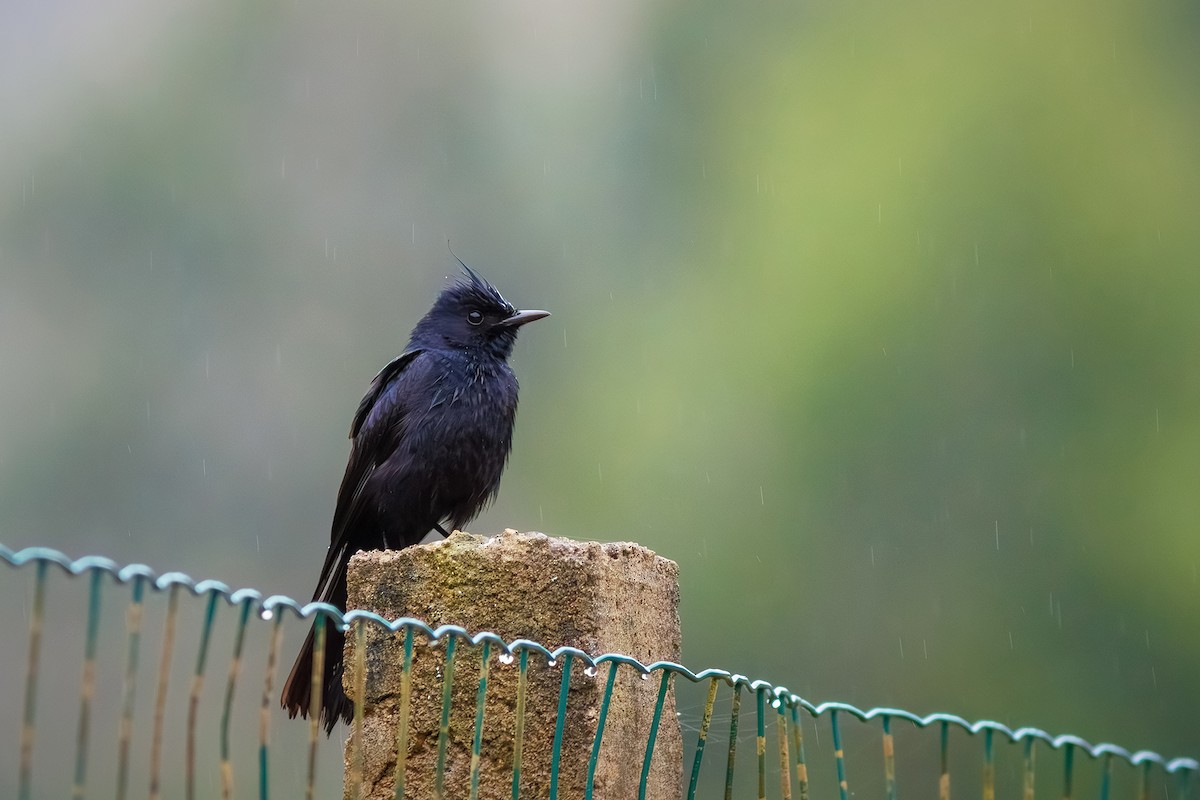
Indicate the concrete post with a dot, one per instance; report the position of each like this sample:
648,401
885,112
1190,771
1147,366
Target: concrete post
616,597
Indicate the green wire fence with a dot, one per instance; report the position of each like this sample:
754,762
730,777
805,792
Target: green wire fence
190,740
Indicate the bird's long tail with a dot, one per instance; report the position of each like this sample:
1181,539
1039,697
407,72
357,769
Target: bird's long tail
297,690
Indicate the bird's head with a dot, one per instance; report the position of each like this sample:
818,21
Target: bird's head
471,313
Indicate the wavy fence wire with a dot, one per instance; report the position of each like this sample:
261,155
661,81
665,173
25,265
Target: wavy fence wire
172,690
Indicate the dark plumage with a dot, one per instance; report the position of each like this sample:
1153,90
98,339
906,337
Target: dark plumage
428,444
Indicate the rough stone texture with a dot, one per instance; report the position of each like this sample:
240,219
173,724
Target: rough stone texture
615,597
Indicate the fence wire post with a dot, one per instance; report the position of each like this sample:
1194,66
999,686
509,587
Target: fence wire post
889,759
702,737
25,779
88,688
839,755
125,727
160,700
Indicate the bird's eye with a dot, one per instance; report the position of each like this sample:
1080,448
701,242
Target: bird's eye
475,317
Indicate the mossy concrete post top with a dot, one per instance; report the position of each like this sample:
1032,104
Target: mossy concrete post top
598,597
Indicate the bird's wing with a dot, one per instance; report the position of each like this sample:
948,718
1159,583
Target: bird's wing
380,382
365,457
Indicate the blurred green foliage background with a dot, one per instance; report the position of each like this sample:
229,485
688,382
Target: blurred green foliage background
880,318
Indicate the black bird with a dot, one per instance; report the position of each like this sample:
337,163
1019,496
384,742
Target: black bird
428,444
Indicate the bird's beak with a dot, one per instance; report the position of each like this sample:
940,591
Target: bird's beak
521,317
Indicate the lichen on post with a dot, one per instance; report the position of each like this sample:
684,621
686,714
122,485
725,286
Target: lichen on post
613,597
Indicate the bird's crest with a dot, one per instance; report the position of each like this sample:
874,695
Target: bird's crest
476,288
